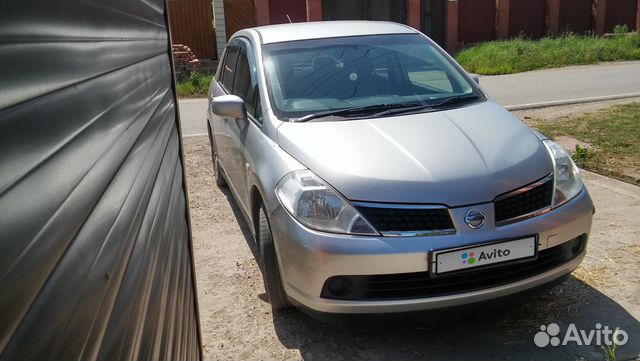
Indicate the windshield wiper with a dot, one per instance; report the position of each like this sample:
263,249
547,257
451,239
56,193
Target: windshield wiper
388,109
434,105
455,100
354,111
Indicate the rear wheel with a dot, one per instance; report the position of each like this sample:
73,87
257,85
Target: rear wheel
272,280
216,162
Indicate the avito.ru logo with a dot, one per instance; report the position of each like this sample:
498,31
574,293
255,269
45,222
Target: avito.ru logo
550,335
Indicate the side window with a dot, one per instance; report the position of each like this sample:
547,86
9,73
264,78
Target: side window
229,67
242,84
244,87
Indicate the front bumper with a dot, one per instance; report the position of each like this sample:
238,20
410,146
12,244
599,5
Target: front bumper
308,258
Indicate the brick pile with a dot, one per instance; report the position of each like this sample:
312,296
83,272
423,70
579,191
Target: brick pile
185,61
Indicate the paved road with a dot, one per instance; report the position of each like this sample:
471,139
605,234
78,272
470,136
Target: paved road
193,115
564,84
524,88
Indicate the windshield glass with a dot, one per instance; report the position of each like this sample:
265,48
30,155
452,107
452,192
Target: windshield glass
315,76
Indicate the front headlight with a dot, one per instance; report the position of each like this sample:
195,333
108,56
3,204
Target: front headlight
566,177
316,205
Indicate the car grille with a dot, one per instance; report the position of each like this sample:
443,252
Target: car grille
517,205
421,284
393,219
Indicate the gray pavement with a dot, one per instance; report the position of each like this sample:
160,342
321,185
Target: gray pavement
514,90
576,82
193,116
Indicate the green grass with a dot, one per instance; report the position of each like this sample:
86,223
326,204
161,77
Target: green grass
610,350
195,85
518,55
615,134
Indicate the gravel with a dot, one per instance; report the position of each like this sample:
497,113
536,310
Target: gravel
238,324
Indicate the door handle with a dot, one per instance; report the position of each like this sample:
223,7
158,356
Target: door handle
225,121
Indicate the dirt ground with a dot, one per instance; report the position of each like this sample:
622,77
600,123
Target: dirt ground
238,324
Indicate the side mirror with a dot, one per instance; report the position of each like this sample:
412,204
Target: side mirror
229,106
475,78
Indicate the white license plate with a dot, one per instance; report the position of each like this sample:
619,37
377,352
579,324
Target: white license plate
482,255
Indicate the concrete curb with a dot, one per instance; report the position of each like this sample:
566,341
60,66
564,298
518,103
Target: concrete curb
192,100
571,101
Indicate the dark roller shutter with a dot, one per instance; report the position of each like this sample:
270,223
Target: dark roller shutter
95,248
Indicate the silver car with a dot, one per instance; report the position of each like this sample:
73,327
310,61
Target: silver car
377,176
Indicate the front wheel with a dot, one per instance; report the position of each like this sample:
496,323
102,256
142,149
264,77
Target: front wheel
272,280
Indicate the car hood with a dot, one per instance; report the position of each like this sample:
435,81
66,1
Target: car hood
453,157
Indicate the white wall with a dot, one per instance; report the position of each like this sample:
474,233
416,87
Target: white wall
219,25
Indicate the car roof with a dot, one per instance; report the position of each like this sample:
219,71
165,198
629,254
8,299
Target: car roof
328,29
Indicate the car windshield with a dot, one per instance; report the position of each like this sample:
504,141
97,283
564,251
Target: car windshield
315,77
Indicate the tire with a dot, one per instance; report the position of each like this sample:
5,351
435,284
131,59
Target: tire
217,176
272,280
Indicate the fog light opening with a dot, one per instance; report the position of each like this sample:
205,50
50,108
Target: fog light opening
340,286
577,245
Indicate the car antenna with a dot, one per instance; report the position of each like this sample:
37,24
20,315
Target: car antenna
288,18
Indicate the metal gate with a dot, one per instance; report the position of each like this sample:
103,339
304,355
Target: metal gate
239,14
527,17
621,12
575,16
477,21
284,11
433,19
95,248
389,10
